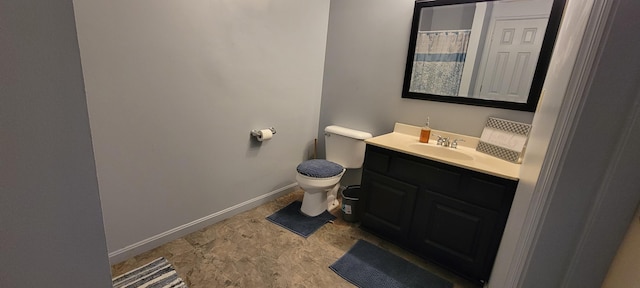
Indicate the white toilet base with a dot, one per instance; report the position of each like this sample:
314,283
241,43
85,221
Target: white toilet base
314,202
332,197
332,204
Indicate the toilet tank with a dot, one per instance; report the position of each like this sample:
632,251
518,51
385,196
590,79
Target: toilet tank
345,146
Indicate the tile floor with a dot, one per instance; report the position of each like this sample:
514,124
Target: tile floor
249,251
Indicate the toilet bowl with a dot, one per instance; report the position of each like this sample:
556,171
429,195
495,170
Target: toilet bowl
320,179
316,191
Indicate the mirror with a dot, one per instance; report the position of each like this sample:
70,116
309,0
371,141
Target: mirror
484,53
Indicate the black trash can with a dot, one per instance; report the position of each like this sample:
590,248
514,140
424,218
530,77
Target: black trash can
350,197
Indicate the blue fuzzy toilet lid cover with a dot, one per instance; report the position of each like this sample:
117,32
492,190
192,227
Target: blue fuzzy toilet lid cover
319,168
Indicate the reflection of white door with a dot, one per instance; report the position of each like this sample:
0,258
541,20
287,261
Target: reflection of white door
512,58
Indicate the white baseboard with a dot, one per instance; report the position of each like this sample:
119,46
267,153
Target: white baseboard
182,230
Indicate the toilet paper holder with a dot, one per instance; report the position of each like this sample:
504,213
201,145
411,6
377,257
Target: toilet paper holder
257,132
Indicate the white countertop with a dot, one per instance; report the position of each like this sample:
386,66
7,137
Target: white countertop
405,137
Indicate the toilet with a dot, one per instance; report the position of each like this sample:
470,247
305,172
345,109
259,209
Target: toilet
320,179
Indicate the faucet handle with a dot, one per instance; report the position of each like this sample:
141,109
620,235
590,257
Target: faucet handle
454,144
441,140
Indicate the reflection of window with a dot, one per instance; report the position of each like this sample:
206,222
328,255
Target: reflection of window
438,62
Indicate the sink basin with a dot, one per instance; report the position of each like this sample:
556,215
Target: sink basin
404,139
439,151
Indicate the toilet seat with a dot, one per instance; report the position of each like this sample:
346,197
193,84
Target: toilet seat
319,168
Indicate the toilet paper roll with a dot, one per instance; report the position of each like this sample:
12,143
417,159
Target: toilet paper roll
265,134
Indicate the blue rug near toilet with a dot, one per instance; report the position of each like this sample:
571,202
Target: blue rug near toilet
293,220
366,265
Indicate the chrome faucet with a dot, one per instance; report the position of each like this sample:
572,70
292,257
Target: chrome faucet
454,144
443,141
446,142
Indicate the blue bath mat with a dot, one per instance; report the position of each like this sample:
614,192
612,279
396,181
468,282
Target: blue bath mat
365,265
293,220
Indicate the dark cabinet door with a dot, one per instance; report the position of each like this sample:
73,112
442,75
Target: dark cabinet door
446,214
454,233
388,206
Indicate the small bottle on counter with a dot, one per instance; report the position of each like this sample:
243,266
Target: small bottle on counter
425,133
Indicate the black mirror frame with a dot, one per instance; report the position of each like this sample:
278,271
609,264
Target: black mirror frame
539,75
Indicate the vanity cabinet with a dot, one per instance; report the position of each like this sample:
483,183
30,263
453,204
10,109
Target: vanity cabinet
449,215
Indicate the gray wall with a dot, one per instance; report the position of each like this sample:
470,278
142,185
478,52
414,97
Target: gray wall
364,69
596,189
454,17
173,90
51,231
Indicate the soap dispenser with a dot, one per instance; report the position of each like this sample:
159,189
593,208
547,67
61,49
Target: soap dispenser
425,133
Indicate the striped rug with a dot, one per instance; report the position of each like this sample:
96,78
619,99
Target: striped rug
157,274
